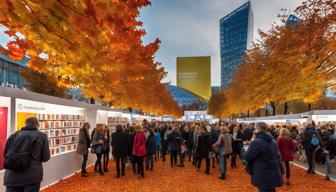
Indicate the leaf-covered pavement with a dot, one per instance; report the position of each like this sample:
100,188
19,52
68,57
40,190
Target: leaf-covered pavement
187,179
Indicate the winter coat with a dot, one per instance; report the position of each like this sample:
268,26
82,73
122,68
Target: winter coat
213,137
286,148
225,144
84,142
190,141
174,141
139,144
203,145
40,153
264,163
150,145
307,137
157,139
98,148
237,144
119,144
247,134
130,143
106,146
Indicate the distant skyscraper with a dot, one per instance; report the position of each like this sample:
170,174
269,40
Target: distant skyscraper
292,20
236,35
194,74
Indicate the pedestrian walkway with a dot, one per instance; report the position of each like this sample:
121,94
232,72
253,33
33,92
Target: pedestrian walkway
187,179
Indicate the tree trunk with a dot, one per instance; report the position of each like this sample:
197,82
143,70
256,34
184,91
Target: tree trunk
248,114
286,108
309,106
266,112
273,108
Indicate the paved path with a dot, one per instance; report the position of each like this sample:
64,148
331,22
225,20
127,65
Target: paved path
187,179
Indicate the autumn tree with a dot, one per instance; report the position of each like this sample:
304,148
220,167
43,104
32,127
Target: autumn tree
93,45
288,63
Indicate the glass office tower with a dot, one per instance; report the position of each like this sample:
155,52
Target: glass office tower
236,35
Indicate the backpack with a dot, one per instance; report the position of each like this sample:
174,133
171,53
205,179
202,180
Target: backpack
314,141
18,154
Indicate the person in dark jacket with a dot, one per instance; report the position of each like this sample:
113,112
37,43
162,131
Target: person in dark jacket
106,147
263,158
328,147
237,145
97,145
84,142
203,149
190,143
131,134
30,178
309,148
120,149
174,145
150,149
214,134
163,130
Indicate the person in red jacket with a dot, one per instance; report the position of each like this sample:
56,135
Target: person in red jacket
139,150
286,148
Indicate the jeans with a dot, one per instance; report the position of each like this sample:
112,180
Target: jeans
266,190
222,160
157,152
140,165
98,164
164,149
309,154
233,160
85,158
287,169
181,155
106,156
207,164
149,162
328,164
173,157
28,188
120,160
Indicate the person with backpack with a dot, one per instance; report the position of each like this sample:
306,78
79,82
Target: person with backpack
310,141
24,153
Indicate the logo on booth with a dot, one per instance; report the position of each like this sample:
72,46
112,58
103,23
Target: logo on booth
20,106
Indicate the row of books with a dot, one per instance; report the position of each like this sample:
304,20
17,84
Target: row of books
118,119
62,149
55,142
61,132
60,124
43,117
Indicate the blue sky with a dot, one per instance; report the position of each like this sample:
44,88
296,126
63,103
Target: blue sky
191,27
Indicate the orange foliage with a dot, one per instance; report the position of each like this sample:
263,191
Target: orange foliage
293,62
93,45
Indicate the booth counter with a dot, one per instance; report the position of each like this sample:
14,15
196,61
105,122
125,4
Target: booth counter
60,119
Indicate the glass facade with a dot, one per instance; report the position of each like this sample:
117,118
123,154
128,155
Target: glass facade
10,72
185,98
292,20
236,35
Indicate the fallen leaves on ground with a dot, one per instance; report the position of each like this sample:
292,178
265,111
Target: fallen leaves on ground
166,179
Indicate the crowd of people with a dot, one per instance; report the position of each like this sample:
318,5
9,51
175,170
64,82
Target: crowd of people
265,150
